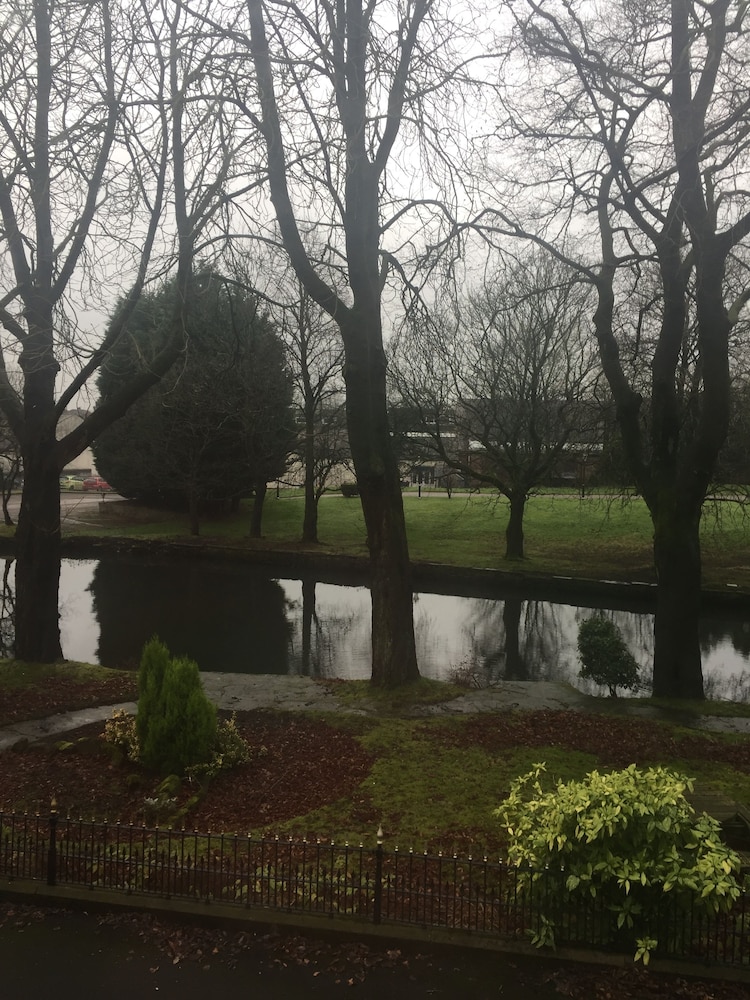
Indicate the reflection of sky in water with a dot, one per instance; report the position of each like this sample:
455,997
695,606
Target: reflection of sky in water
451,632
79,629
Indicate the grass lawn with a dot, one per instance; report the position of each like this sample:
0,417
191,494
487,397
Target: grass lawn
599,537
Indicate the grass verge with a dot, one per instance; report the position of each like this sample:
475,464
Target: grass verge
16,675
600,537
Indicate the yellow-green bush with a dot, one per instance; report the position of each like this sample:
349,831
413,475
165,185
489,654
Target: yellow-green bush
628,837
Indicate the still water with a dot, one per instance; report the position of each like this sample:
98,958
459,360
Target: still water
242,618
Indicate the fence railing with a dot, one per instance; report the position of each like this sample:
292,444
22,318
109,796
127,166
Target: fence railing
369,883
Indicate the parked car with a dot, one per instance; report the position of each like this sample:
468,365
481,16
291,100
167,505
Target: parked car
98,484
71,483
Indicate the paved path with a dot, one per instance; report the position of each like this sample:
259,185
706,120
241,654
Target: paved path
245,692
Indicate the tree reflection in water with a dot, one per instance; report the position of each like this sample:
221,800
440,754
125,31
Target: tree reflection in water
322,637
7,612
222,616
241,618
515,639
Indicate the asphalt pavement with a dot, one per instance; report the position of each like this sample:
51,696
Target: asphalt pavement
58,952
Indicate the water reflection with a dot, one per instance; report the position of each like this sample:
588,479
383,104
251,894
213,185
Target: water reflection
241,618
7,611
216,614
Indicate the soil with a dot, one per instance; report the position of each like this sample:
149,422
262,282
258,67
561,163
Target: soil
615,741
296,765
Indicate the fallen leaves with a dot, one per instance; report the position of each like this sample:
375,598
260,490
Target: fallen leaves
297,764
616,742
349,963
39,701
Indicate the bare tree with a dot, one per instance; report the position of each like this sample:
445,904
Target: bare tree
502,387
338,84
317,359
630,134
107,145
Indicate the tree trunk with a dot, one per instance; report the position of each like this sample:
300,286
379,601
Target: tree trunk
514,528
38,560
310,520
394,657
7,487
194,515
256,517
9,482
677,656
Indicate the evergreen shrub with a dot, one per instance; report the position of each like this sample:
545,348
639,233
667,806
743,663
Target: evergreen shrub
605,657
176,723
629,840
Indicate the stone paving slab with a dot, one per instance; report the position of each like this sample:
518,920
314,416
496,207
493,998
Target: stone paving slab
245,692
37,729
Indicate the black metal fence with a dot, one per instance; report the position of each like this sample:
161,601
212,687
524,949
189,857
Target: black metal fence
369,883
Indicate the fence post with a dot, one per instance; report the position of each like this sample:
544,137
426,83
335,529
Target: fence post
378,901
52,850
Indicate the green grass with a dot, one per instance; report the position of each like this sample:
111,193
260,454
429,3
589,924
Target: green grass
599,537
711,776
16,675
397,701
429,795
688,709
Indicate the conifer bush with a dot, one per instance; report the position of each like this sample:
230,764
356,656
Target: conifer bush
605,657
176,723
154,662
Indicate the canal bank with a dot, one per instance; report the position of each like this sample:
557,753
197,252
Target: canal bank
440,577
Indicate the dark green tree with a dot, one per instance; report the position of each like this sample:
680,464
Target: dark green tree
219,426
605,658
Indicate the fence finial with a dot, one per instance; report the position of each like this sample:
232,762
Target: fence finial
380,835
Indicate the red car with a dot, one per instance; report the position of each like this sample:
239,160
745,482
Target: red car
98,484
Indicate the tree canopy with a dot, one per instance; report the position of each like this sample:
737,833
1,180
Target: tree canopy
220,422
501,386
113,159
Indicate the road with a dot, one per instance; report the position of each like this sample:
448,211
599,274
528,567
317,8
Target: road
73,504
57,952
